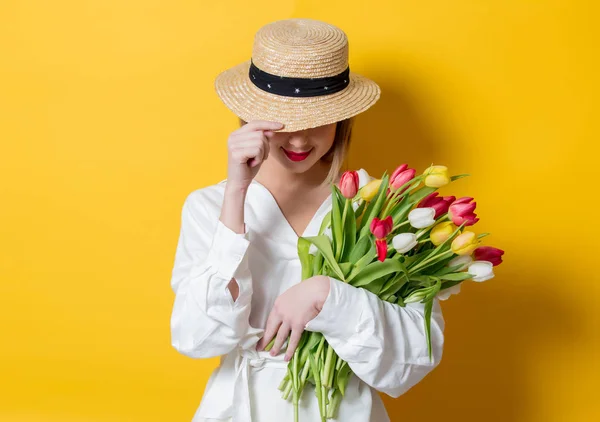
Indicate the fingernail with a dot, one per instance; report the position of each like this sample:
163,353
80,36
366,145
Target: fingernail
272,353
287,358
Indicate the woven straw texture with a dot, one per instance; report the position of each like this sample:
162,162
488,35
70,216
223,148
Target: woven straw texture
304,48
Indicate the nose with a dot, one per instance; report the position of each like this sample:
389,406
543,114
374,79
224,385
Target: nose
298,142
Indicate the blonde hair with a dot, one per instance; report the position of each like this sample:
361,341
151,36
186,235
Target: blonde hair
337,154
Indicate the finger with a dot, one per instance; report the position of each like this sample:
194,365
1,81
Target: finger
262,125
243,155
273,323
294,340
282,335
267,148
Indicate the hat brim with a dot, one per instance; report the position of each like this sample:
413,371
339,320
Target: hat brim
249,102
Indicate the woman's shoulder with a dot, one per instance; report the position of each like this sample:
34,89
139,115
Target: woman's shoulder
205,199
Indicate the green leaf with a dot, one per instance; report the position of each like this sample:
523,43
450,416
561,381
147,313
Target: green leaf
336,222
343,377
456,276
428,308
360,248
324,245
326,222
376,270
458,176
317,263
305,258
314,369
346,267
349,231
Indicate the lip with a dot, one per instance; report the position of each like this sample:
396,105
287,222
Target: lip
296,156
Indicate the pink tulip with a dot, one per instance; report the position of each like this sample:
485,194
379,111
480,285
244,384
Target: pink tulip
440,204
488,253
461,211
398,170
349,184
400,176
381,228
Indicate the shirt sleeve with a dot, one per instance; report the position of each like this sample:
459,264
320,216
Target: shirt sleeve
205,320
384,344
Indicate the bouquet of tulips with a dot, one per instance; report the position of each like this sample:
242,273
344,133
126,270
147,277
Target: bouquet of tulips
398,239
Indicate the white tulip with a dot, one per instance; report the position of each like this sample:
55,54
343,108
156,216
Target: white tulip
481,270
404,242
422,217
363,177
446,293
463,260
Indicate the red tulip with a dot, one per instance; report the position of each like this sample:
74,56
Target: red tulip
400,176
349,184
381,228
440,204
461,211
488,253
382,247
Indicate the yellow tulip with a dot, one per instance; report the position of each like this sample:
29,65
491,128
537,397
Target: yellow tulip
465,243
441,232
369,190
436,176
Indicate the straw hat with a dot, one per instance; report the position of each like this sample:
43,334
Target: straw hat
299,75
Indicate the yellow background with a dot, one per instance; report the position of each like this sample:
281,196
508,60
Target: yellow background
108,119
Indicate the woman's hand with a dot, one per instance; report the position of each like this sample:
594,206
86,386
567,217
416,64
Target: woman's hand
291,311
248,148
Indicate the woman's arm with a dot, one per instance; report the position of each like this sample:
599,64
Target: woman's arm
384,344
208,318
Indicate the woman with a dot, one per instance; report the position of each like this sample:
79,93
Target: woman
237,272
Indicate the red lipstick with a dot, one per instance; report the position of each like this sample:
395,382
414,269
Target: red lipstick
295,156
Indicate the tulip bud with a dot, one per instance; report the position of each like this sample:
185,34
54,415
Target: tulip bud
419,295
447,292
420,218
481,270
369,190
381,228
463,260
436,176
440,204
404,242
399,178
461,211
363,177
381,246
441,232
465,243
488,253
349,184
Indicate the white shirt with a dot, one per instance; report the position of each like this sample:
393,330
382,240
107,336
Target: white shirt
383,343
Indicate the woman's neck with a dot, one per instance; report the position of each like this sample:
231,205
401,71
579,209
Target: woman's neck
275,176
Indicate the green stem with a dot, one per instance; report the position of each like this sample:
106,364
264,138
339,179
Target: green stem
328,369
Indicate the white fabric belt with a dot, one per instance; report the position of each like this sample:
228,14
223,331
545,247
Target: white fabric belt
246,360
